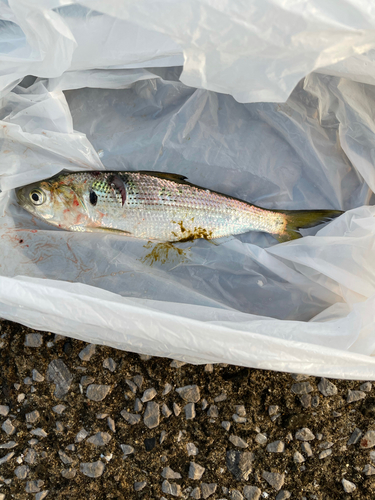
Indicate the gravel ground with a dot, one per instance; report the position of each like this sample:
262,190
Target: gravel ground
84,421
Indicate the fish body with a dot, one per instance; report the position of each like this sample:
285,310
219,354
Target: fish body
155,206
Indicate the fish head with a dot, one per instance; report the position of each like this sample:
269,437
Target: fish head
58,201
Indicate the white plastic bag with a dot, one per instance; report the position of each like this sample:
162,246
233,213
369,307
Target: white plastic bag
304,306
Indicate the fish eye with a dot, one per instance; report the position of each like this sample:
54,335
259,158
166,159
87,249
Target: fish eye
37,197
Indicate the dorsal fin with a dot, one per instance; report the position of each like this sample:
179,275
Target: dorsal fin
165,175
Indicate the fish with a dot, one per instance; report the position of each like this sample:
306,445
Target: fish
159,206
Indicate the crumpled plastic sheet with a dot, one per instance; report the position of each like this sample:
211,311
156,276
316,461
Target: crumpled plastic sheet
305,306
255,51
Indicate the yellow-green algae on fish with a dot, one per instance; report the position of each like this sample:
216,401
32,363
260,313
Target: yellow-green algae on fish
156,206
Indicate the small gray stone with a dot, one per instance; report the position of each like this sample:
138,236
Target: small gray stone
225,424
236,495
34,486
191,449
58,409
22,471
6,458
131,385
251,492
37,377
168,473
283,495
8,427
41,495
276,447
372,456
65,458
109,364
4,410
220,397
305,400
68,473
70,447
100,439
204,404
195,493
189,411
130,418
274,479
139,485
138,380
315,401
261,439
302,388
167,389
195,471
96,392
237,441
138,405
148,395
9,445
21,397
92,469
39,432
151,417
181,436
325,445
208,489
365,387
145,357
298,457
299,376
369,470
111,424
87,352
273,410
189,393
60,375
163,435
82,434
32,417
127,449
304,434
177,364
348,486
240,464
368,440
306,448
176,409
166,411
355,396
319,436
240,410
327,388
325,454
213,411
171,488
30,456
33,340
238,419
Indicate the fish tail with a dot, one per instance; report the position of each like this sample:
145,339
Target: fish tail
301,219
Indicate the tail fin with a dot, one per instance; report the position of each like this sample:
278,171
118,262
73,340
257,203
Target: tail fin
301,219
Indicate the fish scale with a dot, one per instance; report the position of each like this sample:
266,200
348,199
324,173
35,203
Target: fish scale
156,206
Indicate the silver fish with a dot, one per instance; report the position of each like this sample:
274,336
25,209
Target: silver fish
156,206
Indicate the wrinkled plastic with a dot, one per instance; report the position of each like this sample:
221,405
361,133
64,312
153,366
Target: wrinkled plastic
305,306
256,51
